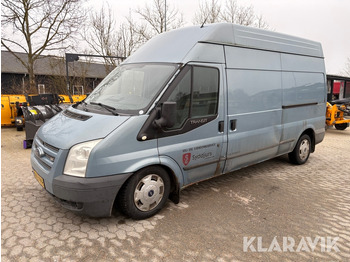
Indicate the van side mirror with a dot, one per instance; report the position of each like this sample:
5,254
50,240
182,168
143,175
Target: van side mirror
166,114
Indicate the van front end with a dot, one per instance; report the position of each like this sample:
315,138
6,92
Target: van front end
60,160
84,155
86,174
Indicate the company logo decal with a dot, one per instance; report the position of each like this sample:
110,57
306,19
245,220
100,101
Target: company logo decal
186,158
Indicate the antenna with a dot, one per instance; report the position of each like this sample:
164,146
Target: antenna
205,21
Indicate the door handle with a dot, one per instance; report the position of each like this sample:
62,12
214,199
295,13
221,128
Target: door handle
221,126
233,124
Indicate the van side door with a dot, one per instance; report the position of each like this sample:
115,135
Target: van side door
196,141
254,106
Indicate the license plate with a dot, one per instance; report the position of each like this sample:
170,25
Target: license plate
39,178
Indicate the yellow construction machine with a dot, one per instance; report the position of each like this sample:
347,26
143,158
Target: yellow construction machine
9,108
11,105
32,111
337,113
338,105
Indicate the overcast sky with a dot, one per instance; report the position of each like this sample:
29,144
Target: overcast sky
325,21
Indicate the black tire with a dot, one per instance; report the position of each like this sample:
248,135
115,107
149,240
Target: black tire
302,151
145,193
19,128
341,126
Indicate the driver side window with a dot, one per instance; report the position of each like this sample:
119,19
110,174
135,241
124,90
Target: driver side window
196,94
182,96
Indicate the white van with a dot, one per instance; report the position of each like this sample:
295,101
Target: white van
191,104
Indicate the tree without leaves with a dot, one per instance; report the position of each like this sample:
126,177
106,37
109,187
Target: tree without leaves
101,36
57,81
105,39
158,19
208,13
231,12
38,26
127,38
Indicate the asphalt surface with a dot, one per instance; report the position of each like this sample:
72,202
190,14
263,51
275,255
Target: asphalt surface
271,211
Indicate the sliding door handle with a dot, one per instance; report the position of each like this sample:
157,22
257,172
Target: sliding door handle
233,124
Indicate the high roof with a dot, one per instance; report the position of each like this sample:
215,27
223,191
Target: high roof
174,46
51,65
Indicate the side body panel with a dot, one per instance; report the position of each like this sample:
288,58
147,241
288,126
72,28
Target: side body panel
121,153
272,99
254,106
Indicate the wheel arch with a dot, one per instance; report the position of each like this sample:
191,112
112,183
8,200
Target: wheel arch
176,181
311,133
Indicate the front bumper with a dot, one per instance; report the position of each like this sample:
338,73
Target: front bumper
89,196
93,196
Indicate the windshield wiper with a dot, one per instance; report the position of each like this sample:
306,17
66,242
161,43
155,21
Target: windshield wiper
81,103
107,107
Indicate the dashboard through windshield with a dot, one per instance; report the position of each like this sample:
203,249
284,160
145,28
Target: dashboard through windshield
131,88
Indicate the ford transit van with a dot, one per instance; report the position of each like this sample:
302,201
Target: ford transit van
189,105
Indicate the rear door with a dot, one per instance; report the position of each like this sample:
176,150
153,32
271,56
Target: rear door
197,141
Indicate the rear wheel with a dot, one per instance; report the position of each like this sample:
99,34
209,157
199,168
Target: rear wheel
302,150
145,193
341,126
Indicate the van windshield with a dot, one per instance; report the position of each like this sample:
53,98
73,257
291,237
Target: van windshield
131,88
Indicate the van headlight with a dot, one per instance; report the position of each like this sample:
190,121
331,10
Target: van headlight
78,157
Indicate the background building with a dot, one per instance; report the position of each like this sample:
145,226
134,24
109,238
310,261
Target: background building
50,75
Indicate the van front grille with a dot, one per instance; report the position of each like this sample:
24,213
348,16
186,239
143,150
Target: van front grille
44,153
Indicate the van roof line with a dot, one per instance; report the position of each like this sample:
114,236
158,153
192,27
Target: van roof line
176,46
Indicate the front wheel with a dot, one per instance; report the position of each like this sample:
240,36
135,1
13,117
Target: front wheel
301,152
145,193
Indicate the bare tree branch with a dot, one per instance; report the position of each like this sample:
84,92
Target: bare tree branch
155,18
101,36
14,54
38,26
107,39
231,12
209,12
